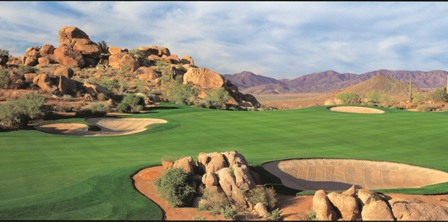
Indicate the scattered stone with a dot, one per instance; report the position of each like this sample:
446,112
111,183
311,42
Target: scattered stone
420,211
346,205
323,207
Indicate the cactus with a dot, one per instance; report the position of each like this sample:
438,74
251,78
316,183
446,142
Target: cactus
410,90
446,87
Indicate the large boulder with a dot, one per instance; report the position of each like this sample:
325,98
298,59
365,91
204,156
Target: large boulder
347,206
376,209
350,191
155,50
43,81
187,60
228,185
113,50
216,162
209,179
186,164
252,100
67,86
323,207
234,158
146,74
31,56
172,59
74,44
418,211
64,71
204,78
124,60
243,179
95,89
47,49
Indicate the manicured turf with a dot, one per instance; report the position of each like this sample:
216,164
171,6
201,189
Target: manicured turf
44,176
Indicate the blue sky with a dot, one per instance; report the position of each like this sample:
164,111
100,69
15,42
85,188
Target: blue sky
276,39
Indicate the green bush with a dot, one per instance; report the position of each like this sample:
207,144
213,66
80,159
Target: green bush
349,98
217,98
173,186
179,93
439,95
228,212
136,52
311,215
263,195
4,52
103,46
108,83
131,103
17,114
215,201
94,110
5,81
274,215
26,69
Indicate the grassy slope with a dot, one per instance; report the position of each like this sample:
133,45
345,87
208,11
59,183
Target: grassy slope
45,176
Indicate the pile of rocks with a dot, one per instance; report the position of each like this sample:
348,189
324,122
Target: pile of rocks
366,205
223,172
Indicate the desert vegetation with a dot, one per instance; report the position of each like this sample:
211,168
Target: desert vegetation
17,114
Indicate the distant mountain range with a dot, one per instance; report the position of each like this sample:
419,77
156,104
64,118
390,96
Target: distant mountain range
327,81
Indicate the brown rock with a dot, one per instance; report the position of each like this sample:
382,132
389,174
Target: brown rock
64,71
29,77
350,192
172,59
346,205
155,50
203,159
186,164
216,162
364,195
420,211
243,179
147,74
204,78
120,61
113,50
260,209
44,83
47,49
323,207
65,55
252,100
376,209
209,179
187,60
234,158
31,56
228,185
67,86
44,61
95,89
167,164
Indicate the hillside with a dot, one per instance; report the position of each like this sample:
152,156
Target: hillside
247,79
327,81
381,84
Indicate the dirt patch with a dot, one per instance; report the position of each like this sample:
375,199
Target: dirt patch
108,126
340,174
356,109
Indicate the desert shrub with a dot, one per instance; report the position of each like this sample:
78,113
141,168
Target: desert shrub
373,97
103,46
196,217
131,103
424,108
4,52
263,195
349,98
179,93
228,212
311,215
419,97
217,98
173,186
135,51
26,69
95,109
274,215
110,84
17,114
5,81
439,95
215,201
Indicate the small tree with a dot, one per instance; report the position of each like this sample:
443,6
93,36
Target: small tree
217,98
173,186
439,95
5,81
103,46
131,103
179,93
17,114
349,98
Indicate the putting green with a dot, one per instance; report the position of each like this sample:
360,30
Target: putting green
46,176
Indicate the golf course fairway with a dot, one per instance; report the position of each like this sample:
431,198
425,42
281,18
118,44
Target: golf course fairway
46,176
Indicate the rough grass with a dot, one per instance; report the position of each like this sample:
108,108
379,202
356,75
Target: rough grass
44,176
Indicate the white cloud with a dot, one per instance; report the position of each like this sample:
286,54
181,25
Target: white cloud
278,39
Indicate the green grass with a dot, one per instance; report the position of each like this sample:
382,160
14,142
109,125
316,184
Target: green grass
44,176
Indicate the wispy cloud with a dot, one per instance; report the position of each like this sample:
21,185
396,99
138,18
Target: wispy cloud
278,39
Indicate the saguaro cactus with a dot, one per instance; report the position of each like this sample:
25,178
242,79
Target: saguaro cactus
410,90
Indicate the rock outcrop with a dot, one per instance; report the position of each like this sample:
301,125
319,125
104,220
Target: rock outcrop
323,207
204,78
347,206
418,211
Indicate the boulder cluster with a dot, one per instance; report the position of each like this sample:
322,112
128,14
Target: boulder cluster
222,172
149,64
366,205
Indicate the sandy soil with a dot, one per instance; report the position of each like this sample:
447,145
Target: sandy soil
291,207
356,109
109,126
340,174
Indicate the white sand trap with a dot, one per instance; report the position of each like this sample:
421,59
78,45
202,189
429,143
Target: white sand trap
356,109
108,126
340,174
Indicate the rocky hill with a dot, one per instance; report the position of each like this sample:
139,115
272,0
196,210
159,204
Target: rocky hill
247,79
330,80
82,68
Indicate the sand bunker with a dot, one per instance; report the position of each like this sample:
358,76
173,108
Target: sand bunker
340,174
108,126
356,109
